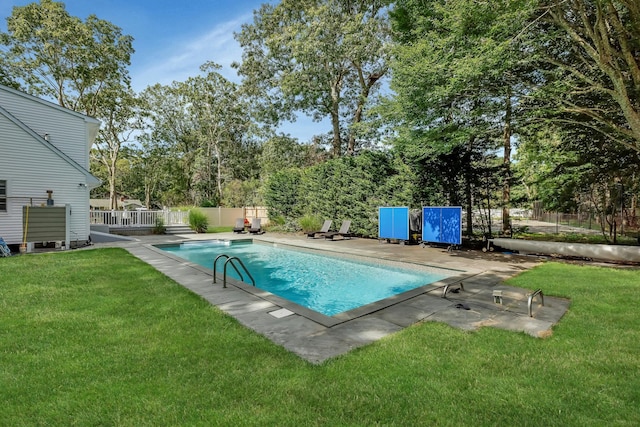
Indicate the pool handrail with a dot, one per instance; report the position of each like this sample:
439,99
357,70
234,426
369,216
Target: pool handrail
446,288
530,298
224,271
229,260
215,261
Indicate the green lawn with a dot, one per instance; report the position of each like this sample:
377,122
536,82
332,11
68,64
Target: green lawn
220,229
99,338
597,239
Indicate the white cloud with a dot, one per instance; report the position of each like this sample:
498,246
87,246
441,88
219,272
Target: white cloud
183,58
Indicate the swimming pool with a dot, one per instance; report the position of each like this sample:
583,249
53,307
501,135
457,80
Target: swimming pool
327,284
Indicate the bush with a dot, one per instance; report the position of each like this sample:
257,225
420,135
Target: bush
159,228
198,221
309,223
350,187
277,220
282,194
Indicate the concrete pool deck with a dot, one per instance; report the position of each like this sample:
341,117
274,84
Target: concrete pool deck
317,338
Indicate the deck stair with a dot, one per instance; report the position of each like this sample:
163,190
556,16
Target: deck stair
179,229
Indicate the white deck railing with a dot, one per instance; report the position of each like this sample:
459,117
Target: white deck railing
138,218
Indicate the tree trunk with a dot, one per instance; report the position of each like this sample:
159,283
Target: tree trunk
633,220
111,165
147,195
335,119
218,172
467,190
351,145
365,86
488,195
506,189
337,141
113,199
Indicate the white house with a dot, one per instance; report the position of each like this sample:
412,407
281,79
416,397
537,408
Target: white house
43,147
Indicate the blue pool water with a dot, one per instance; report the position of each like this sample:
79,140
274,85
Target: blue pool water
326,284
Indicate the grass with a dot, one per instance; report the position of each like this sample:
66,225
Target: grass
98,337
576,238
219,229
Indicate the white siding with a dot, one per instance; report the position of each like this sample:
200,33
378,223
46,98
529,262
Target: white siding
66,129
30,169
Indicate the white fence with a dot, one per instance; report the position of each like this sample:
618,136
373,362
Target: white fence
138,218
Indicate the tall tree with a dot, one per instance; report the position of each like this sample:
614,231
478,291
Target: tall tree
64,58
320,57
7,75
454,73
120,120
143,173
283,152
591,51
170,129
588,63
83,65
572,169
222,122
204,123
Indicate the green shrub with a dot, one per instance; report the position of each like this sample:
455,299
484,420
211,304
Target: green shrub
159,228
198,221
277,220
282,194
310,223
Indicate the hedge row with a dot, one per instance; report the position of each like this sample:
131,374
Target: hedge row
344,188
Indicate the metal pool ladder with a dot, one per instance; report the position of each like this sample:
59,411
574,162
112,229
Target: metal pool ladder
530,298
230,260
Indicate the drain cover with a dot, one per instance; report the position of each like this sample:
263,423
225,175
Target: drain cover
283,312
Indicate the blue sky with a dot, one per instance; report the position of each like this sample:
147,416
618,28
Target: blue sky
173,38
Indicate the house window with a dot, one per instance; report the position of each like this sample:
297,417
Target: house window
3,196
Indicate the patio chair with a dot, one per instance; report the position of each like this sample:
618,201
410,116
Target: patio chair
239,227
322,231
343,233
256,228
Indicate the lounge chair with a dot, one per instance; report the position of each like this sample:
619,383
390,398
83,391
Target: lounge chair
343,233
256,228
322,231
239,227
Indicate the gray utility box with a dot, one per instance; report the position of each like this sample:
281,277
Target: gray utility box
47,223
